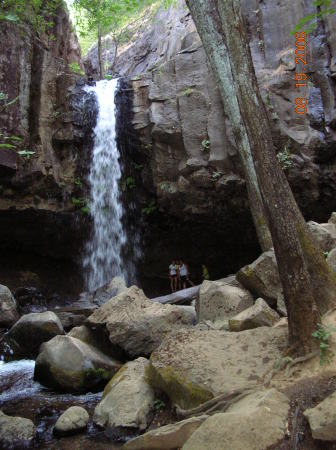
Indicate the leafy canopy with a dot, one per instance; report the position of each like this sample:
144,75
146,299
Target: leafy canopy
39,14
311,20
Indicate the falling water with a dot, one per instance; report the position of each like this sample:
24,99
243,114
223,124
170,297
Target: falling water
103,258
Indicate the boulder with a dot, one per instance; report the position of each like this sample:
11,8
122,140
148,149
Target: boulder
73,420
104,293
258,315
70,365
8,308
325,234
322,419
257,422
15,432
221,299
31,330
332,218
127,399
193,365
331,259
136,325
262,277
169,437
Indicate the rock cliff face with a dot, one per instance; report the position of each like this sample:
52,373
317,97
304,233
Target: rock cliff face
192,173
36,210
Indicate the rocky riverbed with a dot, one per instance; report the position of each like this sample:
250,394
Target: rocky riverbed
139,373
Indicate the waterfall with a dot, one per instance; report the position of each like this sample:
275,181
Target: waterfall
103,256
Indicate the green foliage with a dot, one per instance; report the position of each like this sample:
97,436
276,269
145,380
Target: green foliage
205,145
284,158
82,204
137,166
166,187
128,183
26,153
39,14
215,175
78,182
4,104
311,20
322,334
326,254
146,146
7,145
159,405
151,207
186,93
75,68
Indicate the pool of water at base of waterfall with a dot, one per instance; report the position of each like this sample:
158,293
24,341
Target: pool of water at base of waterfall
21,396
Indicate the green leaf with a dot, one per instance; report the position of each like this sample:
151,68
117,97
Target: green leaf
7,146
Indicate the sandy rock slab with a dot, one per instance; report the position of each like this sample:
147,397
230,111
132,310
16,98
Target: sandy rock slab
127,400
169,437
258,315
135,324
256,422
322,419
192,366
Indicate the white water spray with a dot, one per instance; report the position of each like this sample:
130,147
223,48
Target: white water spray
103,259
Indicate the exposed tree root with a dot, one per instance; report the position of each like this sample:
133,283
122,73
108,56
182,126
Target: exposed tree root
288,363
217,404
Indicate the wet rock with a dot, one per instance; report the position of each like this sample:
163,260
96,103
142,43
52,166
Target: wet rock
31,330
325,234
222,299
135,324
257,422
30,300
191,366
127,400
73,420
8,308
15,432
262,277
169,437
322,419
258,315
70,365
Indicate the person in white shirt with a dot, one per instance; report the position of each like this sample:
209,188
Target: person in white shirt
184,275
173,276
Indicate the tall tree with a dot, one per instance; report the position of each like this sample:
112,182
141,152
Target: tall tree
309,284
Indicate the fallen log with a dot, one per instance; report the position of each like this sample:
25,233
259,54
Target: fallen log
184,296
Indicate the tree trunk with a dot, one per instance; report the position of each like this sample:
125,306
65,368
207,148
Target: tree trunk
306,278
100,53
116,43
212,41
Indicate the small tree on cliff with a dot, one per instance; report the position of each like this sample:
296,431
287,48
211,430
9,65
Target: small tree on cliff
308,283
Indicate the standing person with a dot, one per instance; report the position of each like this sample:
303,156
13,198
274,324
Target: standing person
173,276
184,274
178,275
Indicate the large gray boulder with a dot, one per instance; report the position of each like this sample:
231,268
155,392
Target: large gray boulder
324,233
262,277
221,299
192,365
104,293
258,315
8,308
15,432
127,400
73,420
331,259
169,437
70,365
136,325
257,422
322,419
31,330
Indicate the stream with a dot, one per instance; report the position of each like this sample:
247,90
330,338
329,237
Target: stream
21,396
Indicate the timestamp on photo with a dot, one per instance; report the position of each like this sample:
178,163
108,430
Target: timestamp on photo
301,77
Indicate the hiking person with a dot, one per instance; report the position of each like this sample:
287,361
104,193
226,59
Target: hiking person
184,274
173,276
